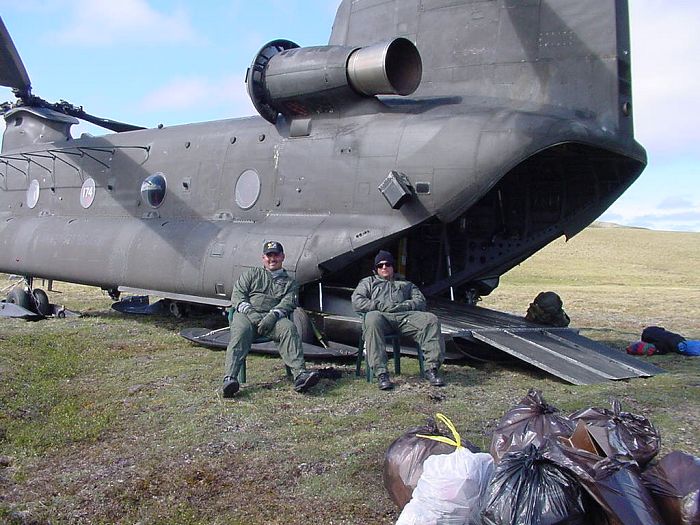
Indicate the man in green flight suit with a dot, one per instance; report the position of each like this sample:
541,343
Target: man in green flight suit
263,300
391,303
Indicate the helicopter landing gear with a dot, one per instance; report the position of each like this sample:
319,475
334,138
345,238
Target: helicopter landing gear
41,302
178,309
114,293
472,297
20,296
34,300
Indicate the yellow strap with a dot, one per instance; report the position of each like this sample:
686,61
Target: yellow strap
456,442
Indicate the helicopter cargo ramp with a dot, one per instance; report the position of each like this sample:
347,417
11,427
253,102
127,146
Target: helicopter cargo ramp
562,352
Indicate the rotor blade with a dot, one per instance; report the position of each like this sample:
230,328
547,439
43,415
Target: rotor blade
77,111
104,122
12,72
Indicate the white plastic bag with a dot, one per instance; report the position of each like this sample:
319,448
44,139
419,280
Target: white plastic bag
450,489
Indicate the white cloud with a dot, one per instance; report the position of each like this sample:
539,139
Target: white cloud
675,202
180,93
284,6
200,92
33,7
127,22
665,47
671,214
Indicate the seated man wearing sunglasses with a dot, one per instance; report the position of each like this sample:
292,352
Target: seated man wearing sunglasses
391,303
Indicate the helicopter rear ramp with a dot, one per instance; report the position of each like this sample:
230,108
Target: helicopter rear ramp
562,352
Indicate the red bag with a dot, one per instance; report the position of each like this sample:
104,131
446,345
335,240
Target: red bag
641,348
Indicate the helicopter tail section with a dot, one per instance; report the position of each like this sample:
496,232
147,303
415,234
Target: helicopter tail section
571,55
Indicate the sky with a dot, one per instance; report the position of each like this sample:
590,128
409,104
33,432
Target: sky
149,62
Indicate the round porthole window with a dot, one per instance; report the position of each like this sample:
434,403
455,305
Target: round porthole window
33,193
87,193
153,190
247,189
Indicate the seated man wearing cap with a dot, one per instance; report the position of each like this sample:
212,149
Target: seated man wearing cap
263,299
391,303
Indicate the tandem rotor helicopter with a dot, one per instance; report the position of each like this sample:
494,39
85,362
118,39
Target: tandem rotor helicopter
464,136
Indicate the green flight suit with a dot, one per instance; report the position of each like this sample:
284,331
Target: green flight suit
396,305
265,293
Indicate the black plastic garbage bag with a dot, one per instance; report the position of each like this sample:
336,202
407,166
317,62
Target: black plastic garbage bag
625,432
403,460
529,489
529,422
674,483
614,482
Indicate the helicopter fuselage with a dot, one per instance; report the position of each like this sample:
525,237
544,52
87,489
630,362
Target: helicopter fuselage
233,184
518,129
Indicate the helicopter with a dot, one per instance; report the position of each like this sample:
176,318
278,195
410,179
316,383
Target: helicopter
463,136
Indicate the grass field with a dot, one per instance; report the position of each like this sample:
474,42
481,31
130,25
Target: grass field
114,419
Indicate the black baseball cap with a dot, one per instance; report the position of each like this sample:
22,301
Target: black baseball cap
272,247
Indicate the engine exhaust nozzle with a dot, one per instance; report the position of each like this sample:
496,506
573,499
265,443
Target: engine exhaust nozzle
388,68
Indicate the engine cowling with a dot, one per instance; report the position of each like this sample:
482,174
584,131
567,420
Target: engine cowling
302,81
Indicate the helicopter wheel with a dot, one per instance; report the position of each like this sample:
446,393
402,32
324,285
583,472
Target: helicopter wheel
21,297
41,302
178,309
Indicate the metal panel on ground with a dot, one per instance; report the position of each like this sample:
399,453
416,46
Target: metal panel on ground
562,352
547,357
635,363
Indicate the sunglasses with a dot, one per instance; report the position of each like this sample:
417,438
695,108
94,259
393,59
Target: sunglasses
385,265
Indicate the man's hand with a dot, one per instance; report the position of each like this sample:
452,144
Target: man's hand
244,307
401,307
382,307
267,323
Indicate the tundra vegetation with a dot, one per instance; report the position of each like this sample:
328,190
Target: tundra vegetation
115,419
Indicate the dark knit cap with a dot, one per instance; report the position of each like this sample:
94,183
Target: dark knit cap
384,256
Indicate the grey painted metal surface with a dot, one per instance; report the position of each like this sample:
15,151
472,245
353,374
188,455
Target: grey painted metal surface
518,131
563,352
578,365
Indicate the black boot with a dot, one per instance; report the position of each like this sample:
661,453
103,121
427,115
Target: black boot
306,380
231,386
384,381
434,378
